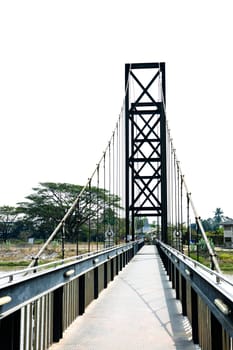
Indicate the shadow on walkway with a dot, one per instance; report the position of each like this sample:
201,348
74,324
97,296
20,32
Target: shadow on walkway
138,311
176,326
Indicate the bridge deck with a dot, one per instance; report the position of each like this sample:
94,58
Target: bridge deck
138,310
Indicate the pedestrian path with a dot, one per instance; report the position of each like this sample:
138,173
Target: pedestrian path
138,311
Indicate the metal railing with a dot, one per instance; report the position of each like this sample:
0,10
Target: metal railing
206,297
37,304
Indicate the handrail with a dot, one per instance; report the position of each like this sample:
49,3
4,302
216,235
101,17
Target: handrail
54,264
195,264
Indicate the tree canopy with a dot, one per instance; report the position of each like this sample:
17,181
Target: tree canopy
8,217
47,205
96,210
218,215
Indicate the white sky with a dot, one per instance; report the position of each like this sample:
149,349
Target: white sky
62,87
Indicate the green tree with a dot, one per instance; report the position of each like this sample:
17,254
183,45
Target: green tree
203,247
8,217
218,218
139,223
208,224
218,215
44,208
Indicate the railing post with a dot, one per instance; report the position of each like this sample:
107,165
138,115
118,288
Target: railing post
106,274
169,264
216,334
81,294
112,270
121,259
177,284
194,316
10,331
184,296
57,314
127,256
96,283
117,264
173,275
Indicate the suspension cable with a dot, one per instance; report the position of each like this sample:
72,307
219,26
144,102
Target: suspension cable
198,220
98,209
104,166
89,218
188,222
74,204
197,217
181,211
113,182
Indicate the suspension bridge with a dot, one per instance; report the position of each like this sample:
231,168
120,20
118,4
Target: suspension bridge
129,294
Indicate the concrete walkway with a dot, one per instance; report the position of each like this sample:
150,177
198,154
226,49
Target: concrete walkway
138,311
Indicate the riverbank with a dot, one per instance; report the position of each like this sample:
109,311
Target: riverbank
22,254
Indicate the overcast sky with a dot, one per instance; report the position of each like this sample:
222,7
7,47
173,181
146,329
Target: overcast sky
62,87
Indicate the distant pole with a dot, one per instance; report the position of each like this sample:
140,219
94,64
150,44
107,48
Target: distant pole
188,226
197,230
63,240
77,245
89,219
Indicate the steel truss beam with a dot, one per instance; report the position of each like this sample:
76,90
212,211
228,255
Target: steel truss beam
145,128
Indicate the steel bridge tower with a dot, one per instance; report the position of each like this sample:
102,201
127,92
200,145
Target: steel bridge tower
145,149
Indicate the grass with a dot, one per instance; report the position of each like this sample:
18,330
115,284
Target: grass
15,254
14,263
225,260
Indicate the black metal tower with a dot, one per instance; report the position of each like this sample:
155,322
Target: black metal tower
145,132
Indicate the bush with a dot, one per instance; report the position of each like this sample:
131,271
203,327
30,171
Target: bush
203,247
